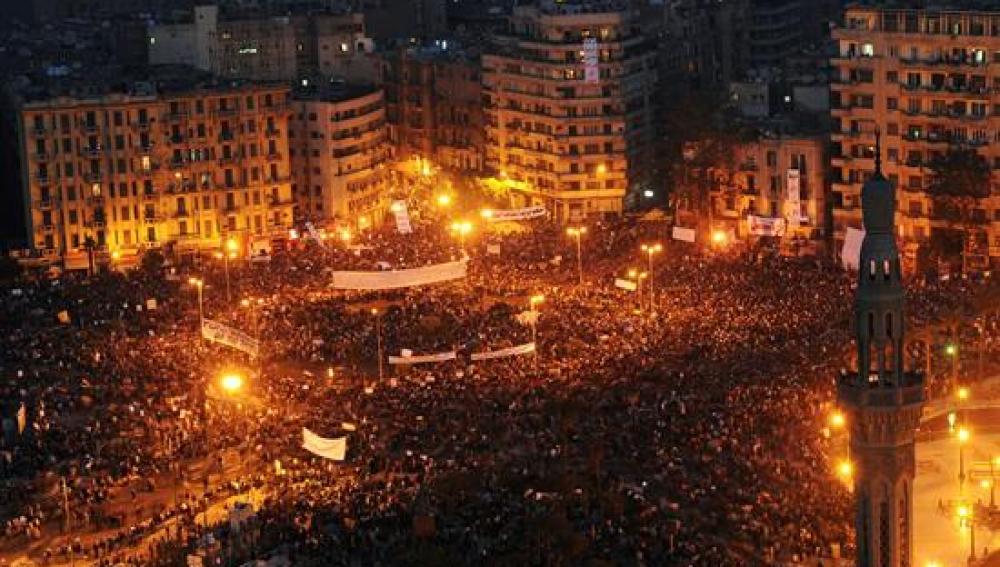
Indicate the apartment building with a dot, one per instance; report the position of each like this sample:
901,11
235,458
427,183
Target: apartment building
569,116
780,179
929,81
148,168
340,153
279,48
434,102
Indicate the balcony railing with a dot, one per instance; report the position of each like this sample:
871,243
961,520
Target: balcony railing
92,177
45,204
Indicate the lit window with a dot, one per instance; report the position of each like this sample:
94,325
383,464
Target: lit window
344,47
152,41
867,50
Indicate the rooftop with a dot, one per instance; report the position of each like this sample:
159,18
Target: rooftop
933,6
334,91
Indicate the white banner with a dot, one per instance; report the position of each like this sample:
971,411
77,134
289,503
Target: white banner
333,449
315,235
765,226
402,215
794,183
684,234
219,333
527,318
493,249
627,285
591,71
401,278
423,358
526,348
850,254
516,214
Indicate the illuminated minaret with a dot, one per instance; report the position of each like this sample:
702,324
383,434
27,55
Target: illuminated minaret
882,400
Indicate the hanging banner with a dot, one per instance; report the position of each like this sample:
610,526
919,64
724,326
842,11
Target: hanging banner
591,71
150,304
794,182
850,254
219,333
627,285
526,348
765,226
684,234
422,359
333,449
315,235
515,214
402,215
401,278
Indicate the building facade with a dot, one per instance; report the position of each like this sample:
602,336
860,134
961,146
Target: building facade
569,116
929,81
340,155
283,48
435,105
129,172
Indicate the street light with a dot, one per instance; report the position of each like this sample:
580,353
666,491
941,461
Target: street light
963,438
345,235
578,232
231,383
845,470
533,301
199,284
486,213
651,249
378,326
837,420
719,237
633,274
461,228
966,518
443,200
963,393
230,253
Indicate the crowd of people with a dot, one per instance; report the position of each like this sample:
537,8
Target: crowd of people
685,433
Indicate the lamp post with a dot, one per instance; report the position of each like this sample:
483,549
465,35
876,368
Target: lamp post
966,517
633,274
963,438
535,300
577,232
650,250
461,228
198,283
378,330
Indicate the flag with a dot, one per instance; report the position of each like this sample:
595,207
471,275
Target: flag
333,449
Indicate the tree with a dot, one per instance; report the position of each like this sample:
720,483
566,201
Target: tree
152,262
9,268
959,179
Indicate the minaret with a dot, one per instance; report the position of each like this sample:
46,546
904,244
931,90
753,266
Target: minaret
882,400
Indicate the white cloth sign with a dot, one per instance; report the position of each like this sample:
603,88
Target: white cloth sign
627,285
765,226
684,234
794,183
315,235
591,71
493,249
516,214
333,449
526,348
423,358
527,318
402,215
401,278
219,333
151,304
850,254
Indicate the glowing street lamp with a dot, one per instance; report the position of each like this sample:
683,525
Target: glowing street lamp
199,284
486,213
231,383
602,169
651,249
967,519
577,232
231,248
845,470
345,235
719,237
837,420
443,200
462,229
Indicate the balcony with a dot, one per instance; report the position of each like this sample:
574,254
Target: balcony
90,152
182,214
48,227
39,131
152,218
227,111
95,200
226,136
150,196
141,125
176,164
228,160
272,132
176,138
94,223
93,177
42,179
272,156
175,116
280,202
278,179
41,156
44,204
90,128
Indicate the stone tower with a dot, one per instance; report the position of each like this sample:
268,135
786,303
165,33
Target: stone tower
882,400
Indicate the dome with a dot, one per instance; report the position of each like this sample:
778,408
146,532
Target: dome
878,204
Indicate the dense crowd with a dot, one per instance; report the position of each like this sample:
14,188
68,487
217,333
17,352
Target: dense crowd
685,436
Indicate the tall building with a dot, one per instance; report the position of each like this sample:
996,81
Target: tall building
924,78
774,31
340,153
883,401
422,20
434,100
281,48
569,114
125,172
